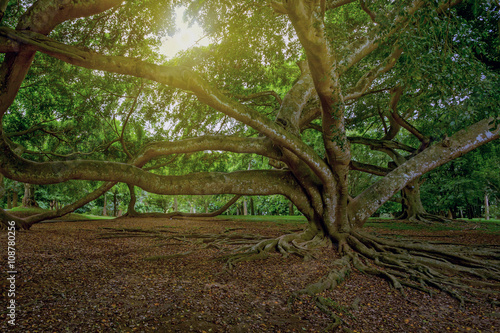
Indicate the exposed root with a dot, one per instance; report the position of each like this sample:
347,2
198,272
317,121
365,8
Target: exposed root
423,217
300,244
203,241
460,271
453,269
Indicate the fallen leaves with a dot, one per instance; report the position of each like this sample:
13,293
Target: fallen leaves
74,281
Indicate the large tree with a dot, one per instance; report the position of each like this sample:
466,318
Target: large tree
413,66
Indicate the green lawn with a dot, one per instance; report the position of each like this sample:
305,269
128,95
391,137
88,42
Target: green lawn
280,219
23,212
489,226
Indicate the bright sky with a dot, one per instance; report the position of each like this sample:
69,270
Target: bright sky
185,37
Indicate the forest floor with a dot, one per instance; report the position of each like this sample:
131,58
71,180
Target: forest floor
71,279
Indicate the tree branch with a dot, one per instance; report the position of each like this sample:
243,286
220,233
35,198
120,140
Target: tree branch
362,48
132,109
260,146
380,144
333,4
178,77
295,101
367,10
30,220
364,83
8,45
260,94
397,92
365,204
212,214
3,7
368,168
307,18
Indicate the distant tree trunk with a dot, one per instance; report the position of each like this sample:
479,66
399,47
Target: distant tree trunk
104,206
9,202
115,202
252,206
290,209
176,206
29,196
486,206
206,206
15,198
131,204
245,208
468,212
411,204
450,214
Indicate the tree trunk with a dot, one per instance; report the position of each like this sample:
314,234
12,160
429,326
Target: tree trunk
245,208
252,206
115,203
29,196
131,204
104,206
486,206
15,198
412,206
290,209
176,206
9,202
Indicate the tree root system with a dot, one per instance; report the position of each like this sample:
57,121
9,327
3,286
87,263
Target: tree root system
460,271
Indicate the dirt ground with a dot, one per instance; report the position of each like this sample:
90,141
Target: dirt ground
72,280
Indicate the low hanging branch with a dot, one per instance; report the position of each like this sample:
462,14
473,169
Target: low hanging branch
365,204
212,214
182,214
178,77
28,222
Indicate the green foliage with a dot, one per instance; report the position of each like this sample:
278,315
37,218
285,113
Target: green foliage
460,185
449,71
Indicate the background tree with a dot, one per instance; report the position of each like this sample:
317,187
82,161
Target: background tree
460,186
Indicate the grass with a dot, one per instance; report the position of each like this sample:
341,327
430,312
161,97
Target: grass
23,212
488,226
279,219
481,220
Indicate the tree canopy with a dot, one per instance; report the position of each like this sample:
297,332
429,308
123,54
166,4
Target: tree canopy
291,98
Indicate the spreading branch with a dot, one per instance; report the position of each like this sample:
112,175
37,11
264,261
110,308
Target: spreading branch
373,169
365,204
396,95
380,144
178,77
259,95
364,83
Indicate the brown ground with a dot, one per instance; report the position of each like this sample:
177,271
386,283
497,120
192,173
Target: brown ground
70,280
